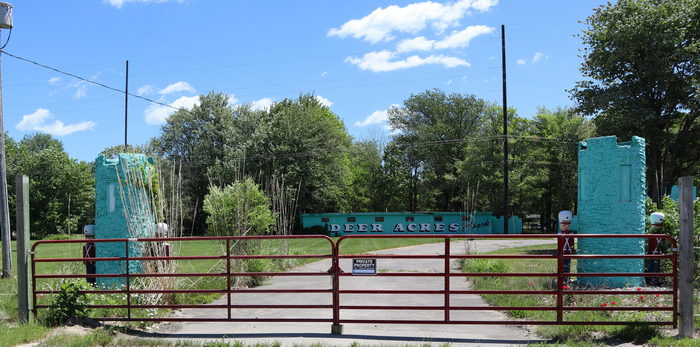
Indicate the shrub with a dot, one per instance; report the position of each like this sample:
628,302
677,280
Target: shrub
69,303
237,209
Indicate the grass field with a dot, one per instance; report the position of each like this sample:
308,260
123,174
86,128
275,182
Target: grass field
567,335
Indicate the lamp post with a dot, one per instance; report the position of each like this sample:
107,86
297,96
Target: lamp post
5,23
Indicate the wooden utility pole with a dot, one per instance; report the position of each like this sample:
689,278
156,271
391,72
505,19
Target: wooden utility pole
506,189
126,107
687,259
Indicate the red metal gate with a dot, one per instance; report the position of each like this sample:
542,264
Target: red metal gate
337,275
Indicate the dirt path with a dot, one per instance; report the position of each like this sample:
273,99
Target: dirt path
289,334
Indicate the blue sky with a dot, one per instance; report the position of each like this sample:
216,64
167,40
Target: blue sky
358,57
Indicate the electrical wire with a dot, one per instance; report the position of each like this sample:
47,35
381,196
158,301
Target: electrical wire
8,39
91,81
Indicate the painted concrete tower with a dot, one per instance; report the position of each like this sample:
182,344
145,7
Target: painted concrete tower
611,195
120,212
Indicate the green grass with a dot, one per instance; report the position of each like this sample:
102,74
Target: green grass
12,334
673,342
563,333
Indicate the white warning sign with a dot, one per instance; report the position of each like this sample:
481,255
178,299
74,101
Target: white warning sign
364,266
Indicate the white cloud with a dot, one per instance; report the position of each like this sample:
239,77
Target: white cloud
383,22
462,38
147,89
177,87
419,43
80,91
120,3
382,61
457,39
262,104
521,61
377,117
538,57
54,80
324,101
448,82
324,73
37,121
157,114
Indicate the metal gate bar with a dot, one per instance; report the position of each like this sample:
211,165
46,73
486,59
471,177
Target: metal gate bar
335,273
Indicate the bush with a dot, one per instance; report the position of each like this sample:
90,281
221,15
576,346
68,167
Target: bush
68,304
238,209
671,227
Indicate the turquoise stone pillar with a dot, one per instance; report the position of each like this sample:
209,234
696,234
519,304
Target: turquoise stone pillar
611,195
114,197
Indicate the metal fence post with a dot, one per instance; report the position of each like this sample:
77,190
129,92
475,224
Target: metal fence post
560,278
24,297
686,249
336,328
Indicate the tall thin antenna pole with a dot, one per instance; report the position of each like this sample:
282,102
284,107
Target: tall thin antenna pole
126,107
506,193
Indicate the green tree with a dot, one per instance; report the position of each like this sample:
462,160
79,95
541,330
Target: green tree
642,70
434,127
365,192
301,141
238,209
62,190
194,140
37,142
550,162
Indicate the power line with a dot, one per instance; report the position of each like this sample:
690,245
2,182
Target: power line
86,80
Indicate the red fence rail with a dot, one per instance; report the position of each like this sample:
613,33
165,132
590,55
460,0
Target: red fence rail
336,273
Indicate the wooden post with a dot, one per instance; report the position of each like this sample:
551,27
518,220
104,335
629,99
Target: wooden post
686,266
23,276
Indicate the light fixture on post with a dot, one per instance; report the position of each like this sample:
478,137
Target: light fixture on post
5,23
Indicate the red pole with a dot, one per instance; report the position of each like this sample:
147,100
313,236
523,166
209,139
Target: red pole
447,279
560,279
228,276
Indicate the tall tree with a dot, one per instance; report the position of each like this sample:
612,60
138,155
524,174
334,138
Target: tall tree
37,142
298,140
550,162
62,189
195,139
642,64
435,126
365,192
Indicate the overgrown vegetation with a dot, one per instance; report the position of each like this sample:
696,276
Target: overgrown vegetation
585,334
69,303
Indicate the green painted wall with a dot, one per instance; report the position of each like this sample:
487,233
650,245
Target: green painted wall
110,219
611,195
338,224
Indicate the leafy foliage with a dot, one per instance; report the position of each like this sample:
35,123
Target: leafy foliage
642,70
195,139
238,209
62,189
69,303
